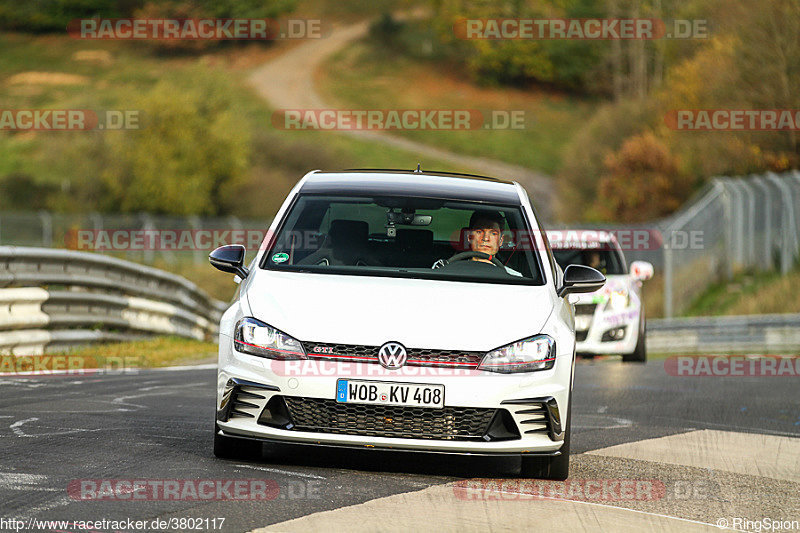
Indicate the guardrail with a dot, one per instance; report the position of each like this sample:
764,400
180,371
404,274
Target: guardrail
53,299
725,334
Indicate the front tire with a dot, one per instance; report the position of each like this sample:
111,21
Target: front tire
639,354
553,468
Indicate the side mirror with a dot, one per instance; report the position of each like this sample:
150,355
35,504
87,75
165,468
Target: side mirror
641,270
579,278
229,258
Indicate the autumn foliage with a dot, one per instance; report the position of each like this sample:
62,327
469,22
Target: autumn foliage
642,181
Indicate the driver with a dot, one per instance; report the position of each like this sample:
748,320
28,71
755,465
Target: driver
596,262
486,235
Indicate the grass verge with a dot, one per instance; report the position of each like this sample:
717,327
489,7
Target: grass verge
750,294
366,75
151,353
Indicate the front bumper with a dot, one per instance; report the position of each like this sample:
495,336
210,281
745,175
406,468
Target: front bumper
532,405
590,340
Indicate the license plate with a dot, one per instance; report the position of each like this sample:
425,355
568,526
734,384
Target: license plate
387,393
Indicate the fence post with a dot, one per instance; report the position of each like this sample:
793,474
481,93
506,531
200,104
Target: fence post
47,228
737,224
148,255
727,210
788,228
766,263
749,194
197,253
97,222
668,309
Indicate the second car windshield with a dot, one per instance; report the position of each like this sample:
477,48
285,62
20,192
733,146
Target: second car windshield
609,262
406,237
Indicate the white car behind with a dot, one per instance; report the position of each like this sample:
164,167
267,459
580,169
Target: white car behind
612,319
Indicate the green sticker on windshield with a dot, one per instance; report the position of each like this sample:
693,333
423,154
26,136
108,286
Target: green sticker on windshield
280,258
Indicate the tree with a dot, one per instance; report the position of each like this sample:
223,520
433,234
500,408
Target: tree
641,182
188,157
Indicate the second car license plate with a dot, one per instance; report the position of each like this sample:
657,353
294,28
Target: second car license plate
388,393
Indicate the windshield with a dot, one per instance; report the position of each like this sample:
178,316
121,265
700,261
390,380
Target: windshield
609,262
406,237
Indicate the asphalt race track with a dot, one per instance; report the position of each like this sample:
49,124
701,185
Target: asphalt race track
650,452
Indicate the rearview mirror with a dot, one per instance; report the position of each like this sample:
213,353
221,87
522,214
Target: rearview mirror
579,278
229,258
641,270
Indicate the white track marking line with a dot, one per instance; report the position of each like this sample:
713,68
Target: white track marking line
19,478
698,522
22,482
15,427
207,366
91,372
60,502
279,471
166,389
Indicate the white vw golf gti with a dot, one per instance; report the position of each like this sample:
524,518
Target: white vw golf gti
401,310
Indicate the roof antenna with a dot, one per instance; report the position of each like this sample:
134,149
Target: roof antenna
418,171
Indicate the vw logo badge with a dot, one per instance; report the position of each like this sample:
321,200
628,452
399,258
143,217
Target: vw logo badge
392,355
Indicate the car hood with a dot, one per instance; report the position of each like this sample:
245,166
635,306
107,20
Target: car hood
417,313
613,283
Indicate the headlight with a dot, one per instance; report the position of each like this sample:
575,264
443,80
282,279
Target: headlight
617,300
534,353
256,338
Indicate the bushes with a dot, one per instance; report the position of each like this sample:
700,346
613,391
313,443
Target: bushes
641,182
19,189
54,15
190,154
585,156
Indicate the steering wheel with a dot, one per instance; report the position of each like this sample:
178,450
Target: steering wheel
464,256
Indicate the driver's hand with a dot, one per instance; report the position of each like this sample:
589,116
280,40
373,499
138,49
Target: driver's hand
439,264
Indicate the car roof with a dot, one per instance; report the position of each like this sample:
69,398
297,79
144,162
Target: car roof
418,184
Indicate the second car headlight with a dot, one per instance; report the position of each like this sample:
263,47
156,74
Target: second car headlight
534,353
254,337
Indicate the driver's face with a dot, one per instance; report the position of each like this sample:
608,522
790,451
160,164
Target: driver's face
487,239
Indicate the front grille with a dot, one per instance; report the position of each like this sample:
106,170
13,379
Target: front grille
329,416
416,356
580,336
585,309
